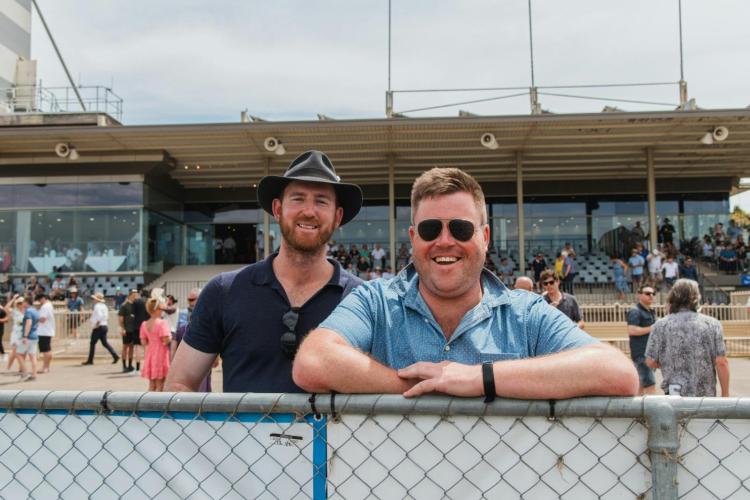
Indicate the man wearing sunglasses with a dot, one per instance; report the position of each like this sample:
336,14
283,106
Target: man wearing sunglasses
564,302
640,320
446,325
255,317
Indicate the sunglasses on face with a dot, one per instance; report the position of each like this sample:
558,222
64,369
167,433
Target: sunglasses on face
461,230
289,338
649,293
548,283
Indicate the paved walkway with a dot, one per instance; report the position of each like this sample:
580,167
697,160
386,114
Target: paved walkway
68,374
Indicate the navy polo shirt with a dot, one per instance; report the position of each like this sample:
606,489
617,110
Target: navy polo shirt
238,315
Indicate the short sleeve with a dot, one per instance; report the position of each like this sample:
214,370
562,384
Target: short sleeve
205,332
654,342
142,333
721,349
552,331
165,331
121,311
634,317
354,317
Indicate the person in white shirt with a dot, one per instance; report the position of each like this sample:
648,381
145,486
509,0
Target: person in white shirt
99,329
46,329
671,271
378,257
16,320
654,269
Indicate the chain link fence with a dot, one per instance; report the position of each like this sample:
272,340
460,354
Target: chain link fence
165,445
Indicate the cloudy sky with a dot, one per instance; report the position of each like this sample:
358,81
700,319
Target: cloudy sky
187,61
176,61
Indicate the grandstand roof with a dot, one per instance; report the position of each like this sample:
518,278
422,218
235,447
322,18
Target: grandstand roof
565,146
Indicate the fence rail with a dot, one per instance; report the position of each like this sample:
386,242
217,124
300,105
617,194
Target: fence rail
167,445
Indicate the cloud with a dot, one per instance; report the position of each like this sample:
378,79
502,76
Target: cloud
184,60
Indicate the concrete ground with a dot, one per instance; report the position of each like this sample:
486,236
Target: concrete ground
67,373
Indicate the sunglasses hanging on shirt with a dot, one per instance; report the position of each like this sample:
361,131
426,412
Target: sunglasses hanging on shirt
289,341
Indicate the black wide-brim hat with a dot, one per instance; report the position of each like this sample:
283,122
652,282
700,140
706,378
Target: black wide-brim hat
311,166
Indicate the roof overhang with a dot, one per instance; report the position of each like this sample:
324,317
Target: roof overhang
551,147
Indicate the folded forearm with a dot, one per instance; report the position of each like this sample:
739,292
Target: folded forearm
595,370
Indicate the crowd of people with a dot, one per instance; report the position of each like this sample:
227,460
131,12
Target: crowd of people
150,323
73,258
297,322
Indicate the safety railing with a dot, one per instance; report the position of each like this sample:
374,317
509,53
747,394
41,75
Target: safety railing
617,313
166,445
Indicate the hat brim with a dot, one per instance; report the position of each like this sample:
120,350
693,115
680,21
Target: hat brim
348,196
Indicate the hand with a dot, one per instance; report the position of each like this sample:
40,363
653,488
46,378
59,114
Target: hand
447,377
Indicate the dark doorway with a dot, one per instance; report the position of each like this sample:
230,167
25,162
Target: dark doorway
234,243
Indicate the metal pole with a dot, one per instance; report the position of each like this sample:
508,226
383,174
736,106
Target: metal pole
519,210
683,83
392,213
59,55
267,219
663,443
389,45
531,47
651,189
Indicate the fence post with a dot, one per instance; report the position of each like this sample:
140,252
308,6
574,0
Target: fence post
663,443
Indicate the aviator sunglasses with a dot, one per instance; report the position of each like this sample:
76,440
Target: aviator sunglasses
461,230
289,341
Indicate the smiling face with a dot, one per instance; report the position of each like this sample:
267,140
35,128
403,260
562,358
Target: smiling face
449,268
307,215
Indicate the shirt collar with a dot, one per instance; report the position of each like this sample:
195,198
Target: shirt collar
406,285
264,274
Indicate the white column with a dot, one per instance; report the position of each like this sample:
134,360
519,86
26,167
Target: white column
521,223
391,214
267,219
651,188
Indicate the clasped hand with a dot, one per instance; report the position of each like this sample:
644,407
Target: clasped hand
447,377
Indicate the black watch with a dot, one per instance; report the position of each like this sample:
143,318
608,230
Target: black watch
488,379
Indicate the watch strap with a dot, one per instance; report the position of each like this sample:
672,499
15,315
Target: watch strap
488,380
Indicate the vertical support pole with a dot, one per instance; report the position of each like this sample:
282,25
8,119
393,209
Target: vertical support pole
663,444
683,95
391,214
389,104
536,108
651,189
521,223
267,219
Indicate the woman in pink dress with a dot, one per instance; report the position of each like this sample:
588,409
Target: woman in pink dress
155,337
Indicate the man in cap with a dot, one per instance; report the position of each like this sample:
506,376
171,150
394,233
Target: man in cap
446,325
255,317
99,329
126,316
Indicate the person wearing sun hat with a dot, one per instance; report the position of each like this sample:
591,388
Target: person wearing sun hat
99,329
256,317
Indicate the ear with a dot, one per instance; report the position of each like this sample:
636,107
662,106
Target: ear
276,208
486,235
338,217
412,235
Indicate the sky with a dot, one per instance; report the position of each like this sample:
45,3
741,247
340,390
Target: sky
190,61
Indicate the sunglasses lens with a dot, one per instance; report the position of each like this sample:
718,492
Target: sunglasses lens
462,230
547,283
289,344
429,229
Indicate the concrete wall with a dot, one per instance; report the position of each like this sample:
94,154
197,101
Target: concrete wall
15,38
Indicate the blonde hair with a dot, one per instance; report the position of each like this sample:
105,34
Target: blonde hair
441,181
152,305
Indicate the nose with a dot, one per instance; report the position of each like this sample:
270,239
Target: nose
445,238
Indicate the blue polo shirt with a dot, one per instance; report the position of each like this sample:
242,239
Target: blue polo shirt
390,320
33,315
238,315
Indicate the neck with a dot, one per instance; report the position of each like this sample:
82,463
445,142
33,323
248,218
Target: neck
647,306
449,311
555,294
300,267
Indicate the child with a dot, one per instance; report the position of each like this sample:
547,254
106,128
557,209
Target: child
155,337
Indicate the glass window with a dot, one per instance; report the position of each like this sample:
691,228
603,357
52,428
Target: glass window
71,195
164,242
7,241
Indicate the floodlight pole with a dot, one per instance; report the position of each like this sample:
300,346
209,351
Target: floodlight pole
536,108
683,83
59,55
520,216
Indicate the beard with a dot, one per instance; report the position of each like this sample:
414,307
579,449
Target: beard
305,244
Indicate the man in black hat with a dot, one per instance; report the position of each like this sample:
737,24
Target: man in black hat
255,317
